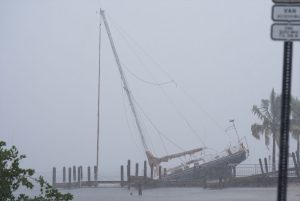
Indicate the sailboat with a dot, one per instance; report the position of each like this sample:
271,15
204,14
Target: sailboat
198,167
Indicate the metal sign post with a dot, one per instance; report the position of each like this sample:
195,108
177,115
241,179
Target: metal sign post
285,121
287,11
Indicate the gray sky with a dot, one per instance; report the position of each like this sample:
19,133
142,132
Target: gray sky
219,51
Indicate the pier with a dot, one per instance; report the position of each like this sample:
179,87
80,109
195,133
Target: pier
251,175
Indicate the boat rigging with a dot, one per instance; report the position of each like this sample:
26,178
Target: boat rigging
231,156
152,160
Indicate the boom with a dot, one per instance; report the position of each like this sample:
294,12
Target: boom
156,161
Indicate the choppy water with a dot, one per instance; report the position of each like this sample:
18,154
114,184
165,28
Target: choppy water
182,194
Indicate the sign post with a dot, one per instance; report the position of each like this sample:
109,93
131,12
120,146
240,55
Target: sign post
285,121
287,12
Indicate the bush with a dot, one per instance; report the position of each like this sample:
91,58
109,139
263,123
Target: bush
12,177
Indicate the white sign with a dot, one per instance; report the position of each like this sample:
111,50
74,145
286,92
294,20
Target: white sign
285,32
286,1
286,13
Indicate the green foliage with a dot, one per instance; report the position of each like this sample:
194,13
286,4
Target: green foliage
295,121
12,177
269,127
269,114
295,124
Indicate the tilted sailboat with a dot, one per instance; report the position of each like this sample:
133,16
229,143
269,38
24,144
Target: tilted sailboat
232,156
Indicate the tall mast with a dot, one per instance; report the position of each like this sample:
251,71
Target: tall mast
98,112
125,83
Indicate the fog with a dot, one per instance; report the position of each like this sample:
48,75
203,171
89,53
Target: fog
218,52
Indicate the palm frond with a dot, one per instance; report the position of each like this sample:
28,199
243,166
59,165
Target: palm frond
257,112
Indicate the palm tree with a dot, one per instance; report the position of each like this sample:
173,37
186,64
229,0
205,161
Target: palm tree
269,114
295,124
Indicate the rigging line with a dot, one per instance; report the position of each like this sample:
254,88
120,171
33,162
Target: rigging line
147,134
204,111
141,48
164,92
179,113
127,121
133,51
140,60
170,77
141,124
159,132
160,137
155,127
145,81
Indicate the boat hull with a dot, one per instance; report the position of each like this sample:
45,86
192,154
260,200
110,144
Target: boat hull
214,169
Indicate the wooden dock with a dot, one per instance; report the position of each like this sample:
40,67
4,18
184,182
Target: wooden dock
260,176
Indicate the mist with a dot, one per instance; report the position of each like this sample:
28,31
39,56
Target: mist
218,52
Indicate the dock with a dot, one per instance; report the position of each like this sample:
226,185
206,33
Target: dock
255,175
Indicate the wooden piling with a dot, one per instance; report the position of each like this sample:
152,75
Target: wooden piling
151,171
128,174
159,173
221,181
204,178
78,175
145,169
266,165
96,176
89,174
261,167
165,171
122,175
194,171
54,176
136,169
81,173
140,189
298,157
64,174
234,171
74,173
296,165
70,176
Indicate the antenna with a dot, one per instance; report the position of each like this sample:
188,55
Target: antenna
234,127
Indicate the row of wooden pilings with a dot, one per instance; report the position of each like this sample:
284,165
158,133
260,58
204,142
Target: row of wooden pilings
140,179
73,176
74,180
265,170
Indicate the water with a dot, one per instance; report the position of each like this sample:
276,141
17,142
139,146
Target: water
182,194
